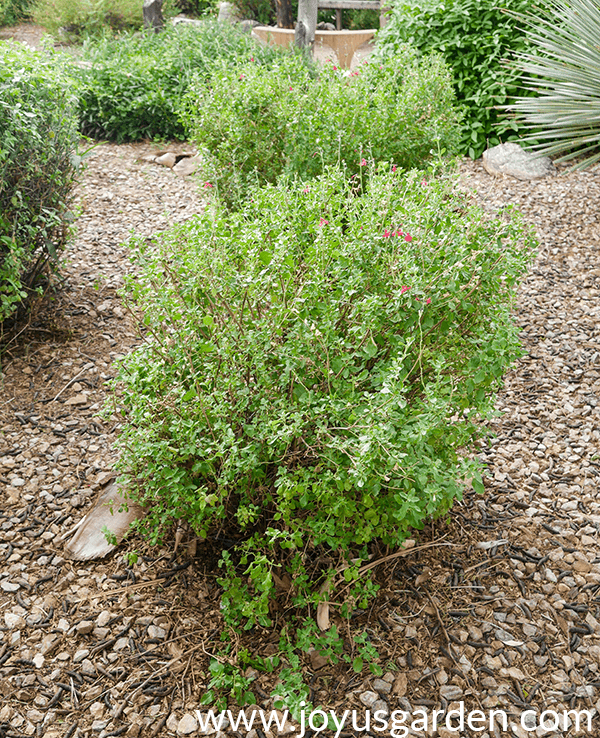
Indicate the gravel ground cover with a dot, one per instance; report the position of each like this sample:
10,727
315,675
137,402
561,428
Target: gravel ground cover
498,607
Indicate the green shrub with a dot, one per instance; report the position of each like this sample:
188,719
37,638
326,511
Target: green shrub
314,364
257,122
196,8
38,136
564,72
130,88
87,16
475,36
13,11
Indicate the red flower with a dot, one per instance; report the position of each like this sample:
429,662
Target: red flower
394,168
363,162
387,234
323,222
408,238
428,301
404,289
207,185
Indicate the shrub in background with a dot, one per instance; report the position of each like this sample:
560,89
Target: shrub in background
195,8
564,74
87,16
256,122
131,87
475,37
38,138
313,365
13,11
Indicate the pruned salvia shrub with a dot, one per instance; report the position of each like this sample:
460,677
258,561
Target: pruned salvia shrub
315,365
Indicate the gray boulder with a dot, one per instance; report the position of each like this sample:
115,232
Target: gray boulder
510,158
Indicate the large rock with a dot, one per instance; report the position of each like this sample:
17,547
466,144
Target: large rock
510,158
153,17
110,513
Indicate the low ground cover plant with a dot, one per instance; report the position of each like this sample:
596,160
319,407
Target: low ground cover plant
38,139
314,365
475,37
130,87
257,123
562,70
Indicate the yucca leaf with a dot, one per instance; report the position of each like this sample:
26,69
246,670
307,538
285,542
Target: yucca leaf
565,74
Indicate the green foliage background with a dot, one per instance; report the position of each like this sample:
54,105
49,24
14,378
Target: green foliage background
475,37
131,87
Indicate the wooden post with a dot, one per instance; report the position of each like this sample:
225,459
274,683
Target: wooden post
285,19
307,23
153,18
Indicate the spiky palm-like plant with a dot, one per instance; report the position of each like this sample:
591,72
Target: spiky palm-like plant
565,73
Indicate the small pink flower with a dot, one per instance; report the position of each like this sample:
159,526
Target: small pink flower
242,76
323,222
424,182
394,168
251,58
408,238
387,234
363,162
417,299
306,190
428,301
399,233
404,289
207,185
335,68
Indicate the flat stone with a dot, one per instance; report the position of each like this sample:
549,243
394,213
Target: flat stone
167,159
9,586
155,631
382,686
13,620
77,400
368,698
84,627
186,166
450,692
88,668
103,618
80,655
188,724
510,158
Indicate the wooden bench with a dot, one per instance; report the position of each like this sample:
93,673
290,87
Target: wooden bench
344,43
339,5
